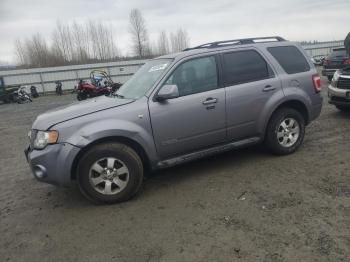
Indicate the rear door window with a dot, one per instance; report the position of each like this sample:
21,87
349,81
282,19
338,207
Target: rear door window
290,58
244,66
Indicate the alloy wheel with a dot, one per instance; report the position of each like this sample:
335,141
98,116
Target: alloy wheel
109,175
288,132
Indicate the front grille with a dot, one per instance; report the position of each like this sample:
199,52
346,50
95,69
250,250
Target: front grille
343,83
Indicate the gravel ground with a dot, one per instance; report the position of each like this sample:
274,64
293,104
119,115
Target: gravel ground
244,205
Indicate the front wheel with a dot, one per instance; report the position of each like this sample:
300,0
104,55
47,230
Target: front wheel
285,131
110,173
81,96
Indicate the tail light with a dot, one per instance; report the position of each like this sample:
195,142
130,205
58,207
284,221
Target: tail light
347,61
316,79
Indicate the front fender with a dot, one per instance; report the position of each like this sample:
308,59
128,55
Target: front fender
99,129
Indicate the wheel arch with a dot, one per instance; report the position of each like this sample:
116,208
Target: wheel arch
298,106
116,139
293,103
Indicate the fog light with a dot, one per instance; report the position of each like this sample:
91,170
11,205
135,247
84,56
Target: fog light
39,171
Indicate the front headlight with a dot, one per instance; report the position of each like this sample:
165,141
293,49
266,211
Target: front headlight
335,78
43,138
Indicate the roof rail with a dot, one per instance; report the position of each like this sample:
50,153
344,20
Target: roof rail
243,41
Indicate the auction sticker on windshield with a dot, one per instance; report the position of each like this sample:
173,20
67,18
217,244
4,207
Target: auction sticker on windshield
158,67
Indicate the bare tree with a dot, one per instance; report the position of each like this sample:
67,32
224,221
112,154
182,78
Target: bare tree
162,44
139,33
81,47
103,45
63,42
71,43
21,52
179,40
33,51
94,41
37,51
56,56
81,43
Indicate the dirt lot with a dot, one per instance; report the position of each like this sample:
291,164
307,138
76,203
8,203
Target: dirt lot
244,205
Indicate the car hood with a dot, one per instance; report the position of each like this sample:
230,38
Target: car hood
77,109
345,71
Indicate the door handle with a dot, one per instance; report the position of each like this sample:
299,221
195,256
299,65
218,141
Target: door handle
210,101
269,88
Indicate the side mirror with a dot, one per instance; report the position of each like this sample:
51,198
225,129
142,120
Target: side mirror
167,92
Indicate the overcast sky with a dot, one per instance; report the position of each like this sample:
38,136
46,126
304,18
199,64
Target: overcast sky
205,20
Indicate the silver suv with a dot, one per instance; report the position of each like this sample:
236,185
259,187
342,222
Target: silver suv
177,108
339,89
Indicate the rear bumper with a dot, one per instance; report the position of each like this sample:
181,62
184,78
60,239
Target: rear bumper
316,111
53,164
338,96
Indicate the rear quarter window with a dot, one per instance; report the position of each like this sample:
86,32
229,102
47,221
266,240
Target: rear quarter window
290,58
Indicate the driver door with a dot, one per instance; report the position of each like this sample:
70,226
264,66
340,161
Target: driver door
195,119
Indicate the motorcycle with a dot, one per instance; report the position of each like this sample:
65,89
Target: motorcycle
20,96
33,92
59,88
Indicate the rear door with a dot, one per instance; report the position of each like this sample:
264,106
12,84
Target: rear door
249,83
195,119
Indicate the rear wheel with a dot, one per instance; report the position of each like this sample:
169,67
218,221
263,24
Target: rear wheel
7,99
285,131
110,173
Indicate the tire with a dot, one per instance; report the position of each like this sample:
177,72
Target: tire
330,78
81,96
284,141
12,99
103,187
7,99
343,108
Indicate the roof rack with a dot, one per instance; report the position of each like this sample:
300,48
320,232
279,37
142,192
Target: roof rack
243,41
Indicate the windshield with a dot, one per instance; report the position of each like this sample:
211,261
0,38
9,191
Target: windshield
138,85
338,53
